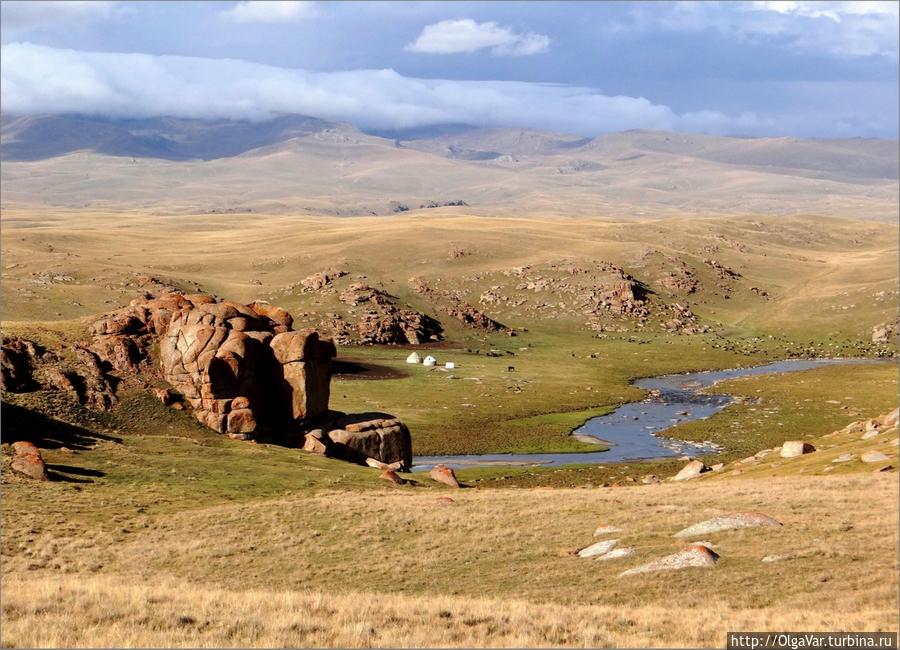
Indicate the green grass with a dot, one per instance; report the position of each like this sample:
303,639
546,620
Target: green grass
787,406
791,406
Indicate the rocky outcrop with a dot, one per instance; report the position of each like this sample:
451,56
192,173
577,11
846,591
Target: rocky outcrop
241,366
383,322
27,366
27,461
471,317
17,359
391,325
885,332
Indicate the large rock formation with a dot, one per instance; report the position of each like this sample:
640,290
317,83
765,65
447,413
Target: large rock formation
246,373
242,369
241,366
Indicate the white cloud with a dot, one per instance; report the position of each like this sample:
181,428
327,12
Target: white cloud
841,28
465,36
21,16
35,79
264,11
832,10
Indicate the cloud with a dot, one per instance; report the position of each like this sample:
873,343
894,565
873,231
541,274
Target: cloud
839,28
832,10
36,79
22,16
264,11
466,36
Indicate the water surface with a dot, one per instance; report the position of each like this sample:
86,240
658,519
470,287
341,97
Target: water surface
630,431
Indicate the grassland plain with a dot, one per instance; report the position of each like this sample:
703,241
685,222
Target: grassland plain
156,531
289,570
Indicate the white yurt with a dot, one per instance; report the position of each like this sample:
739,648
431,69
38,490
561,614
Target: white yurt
429,360
414,358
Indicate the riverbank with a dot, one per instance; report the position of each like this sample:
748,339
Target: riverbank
771,408
633,431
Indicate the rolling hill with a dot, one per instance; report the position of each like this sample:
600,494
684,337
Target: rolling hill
302,164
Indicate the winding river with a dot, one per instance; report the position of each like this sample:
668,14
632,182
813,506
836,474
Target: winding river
630,431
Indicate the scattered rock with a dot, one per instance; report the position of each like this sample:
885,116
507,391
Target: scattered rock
873,457
314,442
778,558
794,448
694,556
691,470
598,548
729,522
377,464
617,553
844,458
27,461
445,475
392,476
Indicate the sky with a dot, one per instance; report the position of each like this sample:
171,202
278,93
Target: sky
781,68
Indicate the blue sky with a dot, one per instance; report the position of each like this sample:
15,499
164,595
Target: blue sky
748,68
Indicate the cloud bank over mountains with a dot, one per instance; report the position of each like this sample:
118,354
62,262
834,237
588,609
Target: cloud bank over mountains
38,79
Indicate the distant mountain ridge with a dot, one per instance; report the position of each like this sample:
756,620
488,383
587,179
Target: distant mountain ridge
294,163
167,138
182,139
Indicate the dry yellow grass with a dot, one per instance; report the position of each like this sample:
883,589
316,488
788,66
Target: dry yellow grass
378,568
104,612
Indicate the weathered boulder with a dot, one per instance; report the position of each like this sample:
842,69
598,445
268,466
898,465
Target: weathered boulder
873,457
617,553
697,555
445,475
27,461
729,522
599,548
794,448
315,442
385,440
890,420
691,470
241,421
